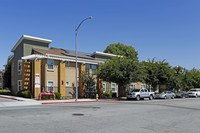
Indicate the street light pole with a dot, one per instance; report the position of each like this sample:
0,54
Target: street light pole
76,31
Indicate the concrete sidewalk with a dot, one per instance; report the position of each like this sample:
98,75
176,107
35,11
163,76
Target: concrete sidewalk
19,101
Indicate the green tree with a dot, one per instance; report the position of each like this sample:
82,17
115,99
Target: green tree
121,71
123,50
157,72
7,74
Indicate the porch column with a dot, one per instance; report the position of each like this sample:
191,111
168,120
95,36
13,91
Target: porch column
81,86
100,87
36,78
61,79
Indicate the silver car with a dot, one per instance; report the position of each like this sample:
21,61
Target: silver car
165,95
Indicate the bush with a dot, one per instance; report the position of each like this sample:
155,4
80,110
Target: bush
58,95
107,95
5,92
24,93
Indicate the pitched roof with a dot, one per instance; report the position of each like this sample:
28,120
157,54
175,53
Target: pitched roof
64,52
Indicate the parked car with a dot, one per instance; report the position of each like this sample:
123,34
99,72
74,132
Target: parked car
182,94
140,94
194,92
166,95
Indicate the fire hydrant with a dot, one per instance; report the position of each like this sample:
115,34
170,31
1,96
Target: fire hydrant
97,96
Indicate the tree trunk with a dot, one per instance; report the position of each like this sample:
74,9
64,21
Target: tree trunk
121,91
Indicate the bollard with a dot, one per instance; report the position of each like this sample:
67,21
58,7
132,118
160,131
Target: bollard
97,96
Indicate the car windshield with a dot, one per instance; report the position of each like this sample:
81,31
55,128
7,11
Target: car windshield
135,90
193,90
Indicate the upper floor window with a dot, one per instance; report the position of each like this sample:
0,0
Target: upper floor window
0,76
50,63
94,67
67,63
87,68
19,66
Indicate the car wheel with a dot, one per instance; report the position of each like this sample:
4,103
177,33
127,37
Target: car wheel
138,98
151,97
172,97
165,97
196,95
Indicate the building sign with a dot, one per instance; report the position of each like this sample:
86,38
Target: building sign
37,80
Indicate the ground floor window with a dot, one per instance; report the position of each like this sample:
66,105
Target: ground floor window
114,87
104,87
19,85
67,83
50,86
143,86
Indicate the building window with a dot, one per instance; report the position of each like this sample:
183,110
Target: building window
87,68
1,85
19,85
104,87
131,87
67,63
114,87
50,86
50,63
143,86
67,83
0,76
94,67
19,66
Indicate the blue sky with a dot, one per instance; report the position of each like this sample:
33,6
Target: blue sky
165,29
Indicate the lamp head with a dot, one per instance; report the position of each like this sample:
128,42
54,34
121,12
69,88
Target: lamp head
90,17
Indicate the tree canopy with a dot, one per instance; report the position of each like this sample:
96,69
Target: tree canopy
123,50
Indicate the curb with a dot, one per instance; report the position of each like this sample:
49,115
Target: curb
81,102
11,98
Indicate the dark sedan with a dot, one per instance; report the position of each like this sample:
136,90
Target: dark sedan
182,94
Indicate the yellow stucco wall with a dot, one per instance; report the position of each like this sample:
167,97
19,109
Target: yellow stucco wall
61,78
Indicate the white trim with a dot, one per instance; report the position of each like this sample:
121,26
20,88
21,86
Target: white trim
115,87
19,81
50,86
105,54
105,86
30,38
62,58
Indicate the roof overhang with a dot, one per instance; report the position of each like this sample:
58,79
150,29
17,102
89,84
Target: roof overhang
105,54
30,38
61,58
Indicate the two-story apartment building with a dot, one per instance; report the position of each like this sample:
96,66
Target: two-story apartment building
36,66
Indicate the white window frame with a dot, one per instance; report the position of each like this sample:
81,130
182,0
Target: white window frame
19,85
115,87
19,64
87,69
143,85
66,83
48,64
50,86
132,85
104,83
1,76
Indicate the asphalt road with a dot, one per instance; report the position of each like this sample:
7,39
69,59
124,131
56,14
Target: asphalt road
157,116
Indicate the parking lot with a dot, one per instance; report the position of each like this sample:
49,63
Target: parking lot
156,116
